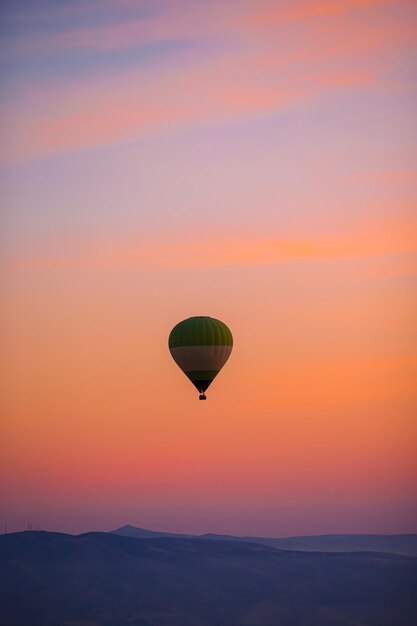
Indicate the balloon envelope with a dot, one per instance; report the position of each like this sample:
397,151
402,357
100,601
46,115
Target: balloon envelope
200,346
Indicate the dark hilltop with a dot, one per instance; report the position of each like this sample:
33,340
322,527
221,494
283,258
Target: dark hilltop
105,579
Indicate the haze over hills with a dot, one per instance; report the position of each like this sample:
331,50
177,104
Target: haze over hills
405,544
104,579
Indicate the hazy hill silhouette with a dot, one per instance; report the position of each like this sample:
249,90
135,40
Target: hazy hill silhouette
393,544
52,579
144,533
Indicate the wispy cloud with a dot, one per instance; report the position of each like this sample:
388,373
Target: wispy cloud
250,76
371,239
168,21
78,118
175,21
269,13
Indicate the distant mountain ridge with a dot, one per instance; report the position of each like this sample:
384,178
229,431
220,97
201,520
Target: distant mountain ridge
405,544
105,579
144,533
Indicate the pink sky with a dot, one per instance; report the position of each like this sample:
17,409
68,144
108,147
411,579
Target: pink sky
253,161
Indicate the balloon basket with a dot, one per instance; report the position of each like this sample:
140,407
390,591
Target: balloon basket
202,396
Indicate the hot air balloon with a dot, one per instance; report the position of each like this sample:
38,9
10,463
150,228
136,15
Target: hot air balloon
200,346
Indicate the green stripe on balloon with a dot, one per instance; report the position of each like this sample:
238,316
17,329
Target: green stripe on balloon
202,375
200,331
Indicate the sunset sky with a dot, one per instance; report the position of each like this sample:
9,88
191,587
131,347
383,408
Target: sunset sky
251,160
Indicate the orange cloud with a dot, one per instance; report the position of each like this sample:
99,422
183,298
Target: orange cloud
270,13
392,176
369,239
